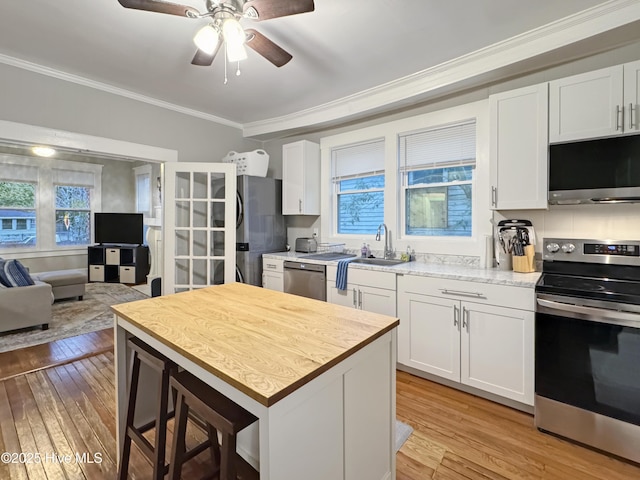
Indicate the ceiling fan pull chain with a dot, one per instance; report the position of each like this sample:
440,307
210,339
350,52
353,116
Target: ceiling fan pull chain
238,69
225,65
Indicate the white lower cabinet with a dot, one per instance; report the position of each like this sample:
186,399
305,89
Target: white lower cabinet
450,329
368,290
272,274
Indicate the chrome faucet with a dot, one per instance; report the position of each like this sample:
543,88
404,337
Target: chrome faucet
388,253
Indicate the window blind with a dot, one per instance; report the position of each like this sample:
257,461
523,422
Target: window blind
73,178
11,172
445,146
358,159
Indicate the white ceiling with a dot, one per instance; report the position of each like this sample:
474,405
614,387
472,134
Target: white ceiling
343,48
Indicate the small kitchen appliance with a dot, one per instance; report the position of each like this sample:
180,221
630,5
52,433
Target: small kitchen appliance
306,245
587,343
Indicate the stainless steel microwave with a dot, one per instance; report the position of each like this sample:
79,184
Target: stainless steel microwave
605,170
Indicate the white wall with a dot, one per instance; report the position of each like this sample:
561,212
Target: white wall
598,222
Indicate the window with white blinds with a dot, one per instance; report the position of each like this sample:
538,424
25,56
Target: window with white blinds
437,167
46,203
358,185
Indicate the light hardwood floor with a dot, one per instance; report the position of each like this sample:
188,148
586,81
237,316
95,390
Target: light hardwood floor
70,407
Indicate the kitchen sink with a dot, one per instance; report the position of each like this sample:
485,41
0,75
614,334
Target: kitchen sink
377,261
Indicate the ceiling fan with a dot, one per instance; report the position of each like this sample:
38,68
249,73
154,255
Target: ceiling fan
224,26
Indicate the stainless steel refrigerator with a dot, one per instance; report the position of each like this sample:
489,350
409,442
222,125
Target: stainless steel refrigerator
260,225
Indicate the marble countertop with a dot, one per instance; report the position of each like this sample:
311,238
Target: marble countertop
456,272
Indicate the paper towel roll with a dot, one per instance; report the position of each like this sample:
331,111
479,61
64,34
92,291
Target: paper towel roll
488,251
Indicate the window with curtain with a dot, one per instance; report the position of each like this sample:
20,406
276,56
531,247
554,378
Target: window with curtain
437,167
358,183
47,203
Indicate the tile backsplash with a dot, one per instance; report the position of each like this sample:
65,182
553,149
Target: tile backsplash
614,222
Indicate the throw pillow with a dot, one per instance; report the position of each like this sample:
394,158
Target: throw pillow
14,274
3,280
2,285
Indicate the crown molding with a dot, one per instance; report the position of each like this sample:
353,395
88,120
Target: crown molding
69,77
561,33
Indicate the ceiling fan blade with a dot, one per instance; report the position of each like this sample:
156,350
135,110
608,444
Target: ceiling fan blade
161,7
204,59
265,47
266,9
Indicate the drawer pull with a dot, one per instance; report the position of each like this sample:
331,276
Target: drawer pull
462,293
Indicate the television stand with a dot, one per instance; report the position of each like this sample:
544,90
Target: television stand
118,264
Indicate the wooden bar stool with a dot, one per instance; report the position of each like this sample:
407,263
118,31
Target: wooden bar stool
155,453
219,413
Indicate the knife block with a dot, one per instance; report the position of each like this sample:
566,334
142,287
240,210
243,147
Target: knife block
525,263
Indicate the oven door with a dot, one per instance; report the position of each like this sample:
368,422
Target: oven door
587,354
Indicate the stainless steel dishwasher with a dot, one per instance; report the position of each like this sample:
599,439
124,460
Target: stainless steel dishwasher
305,279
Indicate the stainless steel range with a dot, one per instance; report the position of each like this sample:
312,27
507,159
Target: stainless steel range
587,345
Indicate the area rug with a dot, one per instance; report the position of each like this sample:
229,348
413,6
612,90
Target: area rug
72,317
402,433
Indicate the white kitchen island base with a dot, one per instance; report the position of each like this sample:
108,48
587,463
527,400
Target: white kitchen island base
338,425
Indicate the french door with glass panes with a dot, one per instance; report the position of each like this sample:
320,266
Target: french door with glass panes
199,230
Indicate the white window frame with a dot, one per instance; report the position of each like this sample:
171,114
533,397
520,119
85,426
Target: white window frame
138,172
403,174
464,246
45,200
335,180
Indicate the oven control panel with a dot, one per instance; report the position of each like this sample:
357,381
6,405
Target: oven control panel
611,249
623,252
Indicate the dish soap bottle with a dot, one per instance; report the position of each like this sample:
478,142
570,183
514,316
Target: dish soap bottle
363,250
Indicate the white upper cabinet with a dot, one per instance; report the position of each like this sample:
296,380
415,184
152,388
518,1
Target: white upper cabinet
518,148
632,97
301,178
595,104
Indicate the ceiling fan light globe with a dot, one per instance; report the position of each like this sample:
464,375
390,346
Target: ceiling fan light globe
233,32
236,52
207,39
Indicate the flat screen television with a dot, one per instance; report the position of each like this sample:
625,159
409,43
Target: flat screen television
119,228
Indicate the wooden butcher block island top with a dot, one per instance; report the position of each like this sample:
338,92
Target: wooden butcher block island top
263,342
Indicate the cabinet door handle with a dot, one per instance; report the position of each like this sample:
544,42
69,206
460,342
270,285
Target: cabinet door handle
456,316
359,299
631,109
465,318
494,196
619,124
355,304
300,205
